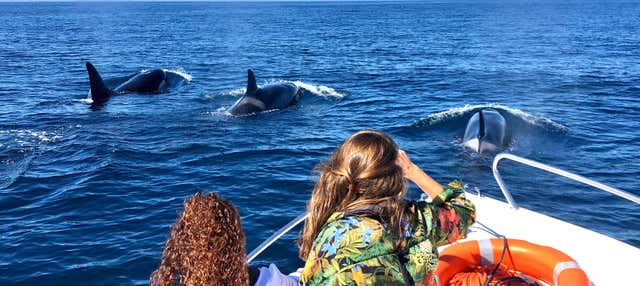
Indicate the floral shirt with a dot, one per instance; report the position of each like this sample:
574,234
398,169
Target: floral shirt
358,250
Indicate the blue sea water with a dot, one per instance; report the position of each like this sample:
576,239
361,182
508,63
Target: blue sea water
87,197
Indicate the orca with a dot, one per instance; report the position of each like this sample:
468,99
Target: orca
268,97
144,82
485,131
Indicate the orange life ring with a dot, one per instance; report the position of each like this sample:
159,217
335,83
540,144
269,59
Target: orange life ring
541,262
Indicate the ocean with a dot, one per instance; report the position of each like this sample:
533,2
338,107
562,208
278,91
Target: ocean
87,197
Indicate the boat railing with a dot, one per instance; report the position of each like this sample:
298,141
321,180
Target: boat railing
264,245
554,170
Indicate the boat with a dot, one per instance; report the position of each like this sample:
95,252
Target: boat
572,255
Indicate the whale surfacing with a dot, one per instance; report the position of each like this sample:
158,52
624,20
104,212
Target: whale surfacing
144,82
258,99
485,131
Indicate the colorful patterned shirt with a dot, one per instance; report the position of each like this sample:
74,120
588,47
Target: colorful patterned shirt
353,249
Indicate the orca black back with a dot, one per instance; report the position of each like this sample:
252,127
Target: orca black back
149,81
258,99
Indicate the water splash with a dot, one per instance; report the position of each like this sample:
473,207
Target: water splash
175,78
181,72
237,92
87,100
320,90
457,112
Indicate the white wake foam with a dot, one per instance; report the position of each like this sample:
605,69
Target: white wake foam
320,90
438,117
237,91
459,111
181,72
87,100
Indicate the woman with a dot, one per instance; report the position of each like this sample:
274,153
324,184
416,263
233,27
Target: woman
206,247
360,229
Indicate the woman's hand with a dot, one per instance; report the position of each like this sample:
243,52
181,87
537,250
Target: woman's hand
408,168
413,173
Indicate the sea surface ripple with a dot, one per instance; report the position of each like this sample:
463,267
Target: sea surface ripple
87,197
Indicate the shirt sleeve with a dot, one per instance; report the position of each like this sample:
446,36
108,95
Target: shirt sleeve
272,276
449,215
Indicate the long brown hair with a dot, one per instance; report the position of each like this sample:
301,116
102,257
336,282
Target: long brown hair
362,171
206,246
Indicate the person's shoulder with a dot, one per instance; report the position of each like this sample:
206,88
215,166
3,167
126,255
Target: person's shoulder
456,184
412,206
351,223
343,230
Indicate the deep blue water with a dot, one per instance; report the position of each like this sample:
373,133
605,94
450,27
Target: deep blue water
87,197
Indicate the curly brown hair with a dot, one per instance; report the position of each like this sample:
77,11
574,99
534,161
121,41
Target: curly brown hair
206,246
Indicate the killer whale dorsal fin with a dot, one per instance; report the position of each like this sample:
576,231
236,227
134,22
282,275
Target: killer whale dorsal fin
251,82
481,131
99,91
